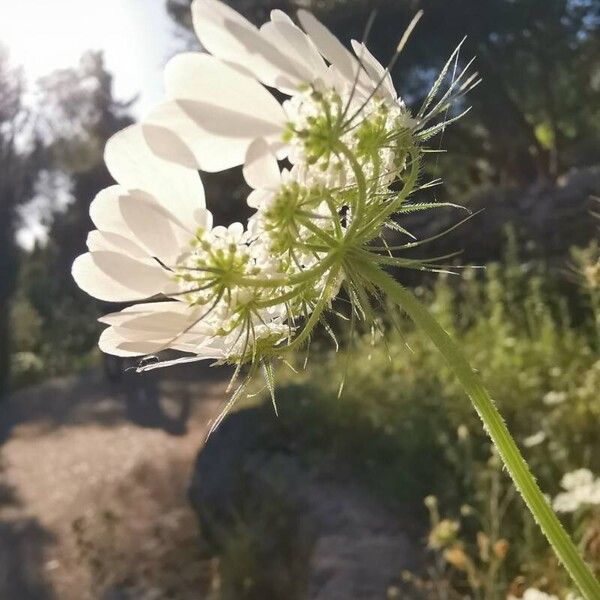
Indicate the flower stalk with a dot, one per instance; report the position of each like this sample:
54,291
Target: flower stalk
247,294
493,423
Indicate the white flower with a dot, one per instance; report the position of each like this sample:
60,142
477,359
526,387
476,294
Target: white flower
535,594
534,440
155,238
218,103
577,479
553,398
289,209
582,489
234,293
142,224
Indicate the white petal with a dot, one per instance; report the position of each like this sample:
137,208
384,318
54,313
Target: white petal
104,210
226,34
345,70
278,16
138,217
329,46
295,44
122,316
98,241
239,101
258,198
236,230
112,342
118,278
132,163
261,170
219,231
375,70
153,227
164,326
216,113
213,150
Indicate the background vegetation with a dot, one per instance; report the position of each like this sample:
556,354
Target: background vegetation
535,117
529,321
404,427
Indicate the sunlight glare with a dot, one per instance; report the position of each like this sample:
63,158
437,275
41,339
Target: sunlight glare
43,35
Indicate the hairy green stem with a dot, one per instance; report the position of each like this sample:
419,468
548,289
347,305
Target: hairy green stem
361,185
563,546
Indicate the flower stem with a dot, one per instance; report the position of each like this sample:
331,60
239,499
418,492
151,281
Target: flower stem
493,423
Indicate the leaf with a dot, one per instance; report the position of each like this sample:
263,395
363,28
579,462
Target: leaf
330,332
440,78
410,208
428,133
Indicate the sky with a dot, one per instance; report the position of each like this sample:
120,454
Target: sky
137,38
135,35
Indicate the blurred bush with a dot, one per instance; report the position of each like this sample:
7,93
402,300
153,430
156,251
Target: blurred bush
403,425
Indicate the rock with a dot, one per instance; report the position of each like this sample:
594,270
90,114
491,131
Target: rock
360,549
317,538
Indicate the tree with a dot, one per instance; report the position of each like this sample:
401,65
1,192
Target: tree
77,115
18,172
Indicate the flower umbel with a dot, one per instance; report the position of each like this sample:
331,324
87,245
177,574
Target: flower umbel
249,294
246,295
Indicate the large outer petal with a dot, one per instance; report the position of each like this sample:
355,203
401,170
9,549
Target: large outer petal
138,217
107,241
215,112
115,277
137,310
292,41
104,210
154,228
226,34
149,328
329,46
112,342
341,59
132,163
375,70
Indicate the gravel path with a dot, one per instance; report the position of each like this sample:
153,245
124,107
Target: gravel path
93,480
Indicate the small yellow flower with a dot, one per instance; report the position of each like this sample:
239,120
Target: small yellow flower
443,533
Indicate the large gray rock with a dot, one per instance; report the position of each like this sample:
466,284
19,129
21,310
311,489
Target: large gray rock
319,539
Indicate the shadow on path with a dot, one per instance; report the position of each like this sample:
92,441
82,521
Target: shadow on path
146,406
155,400
22,545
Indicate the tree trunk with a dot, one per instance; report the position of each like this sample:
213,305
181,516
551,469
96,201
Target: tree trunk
8,271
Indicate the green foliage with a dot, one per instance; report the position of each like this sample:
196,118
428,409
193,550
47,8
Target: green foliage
19,167
405,427
265,554
52,322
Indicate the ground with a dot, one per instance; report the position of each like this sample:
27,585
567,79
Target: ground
93,480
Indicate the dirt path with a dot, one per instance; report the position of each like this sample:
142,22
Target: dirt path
93,480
